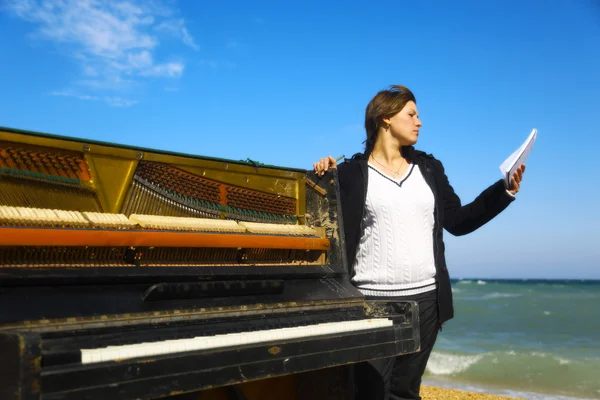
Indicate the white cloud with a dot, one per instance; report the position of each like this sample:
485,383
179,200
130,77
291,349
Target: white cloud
69,93
115,83
171,70
120,102
113,101
115,42
176,28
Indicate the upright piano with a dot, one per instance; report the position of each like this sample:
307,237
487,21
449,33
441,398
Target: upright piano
131,273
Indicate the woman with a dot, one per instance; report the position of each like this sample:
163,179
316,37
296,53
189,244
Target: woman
395,202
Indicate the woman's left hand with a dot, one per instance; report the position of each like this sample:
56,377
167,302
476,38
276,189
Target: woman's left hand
515,182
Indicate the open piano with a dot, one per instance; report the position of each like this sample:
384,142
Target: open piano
129,273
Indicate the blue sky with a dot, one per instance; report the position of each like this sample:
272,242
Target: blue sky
286,83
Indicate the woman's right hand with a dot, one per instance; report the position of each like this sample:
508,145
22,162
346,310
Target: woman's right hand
323,165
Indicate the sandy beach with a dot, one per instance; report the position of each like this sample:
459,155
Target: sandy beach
435,393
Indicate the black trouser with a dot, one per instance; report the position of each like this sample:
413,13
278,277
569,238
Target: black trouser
399,378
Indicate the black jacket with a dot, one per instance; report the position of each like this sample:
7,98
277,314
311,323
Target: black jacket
448,213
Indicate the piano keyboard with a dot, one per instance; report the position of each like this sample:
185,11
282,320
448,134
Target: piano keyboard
113,353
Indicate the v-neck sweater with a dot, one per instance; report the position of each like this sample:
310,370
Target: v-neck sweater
395,254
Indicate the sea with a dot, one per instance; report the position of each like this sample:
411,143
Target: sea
532,339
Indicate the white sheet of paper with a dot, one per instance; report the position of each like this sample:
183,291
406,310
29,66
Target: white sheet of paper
510,165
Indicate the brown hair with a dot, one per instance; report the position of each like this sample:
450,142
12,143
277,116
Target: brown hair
385,104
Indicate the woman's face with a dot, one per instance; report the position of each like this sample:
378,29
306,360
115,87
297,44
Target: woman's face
405,125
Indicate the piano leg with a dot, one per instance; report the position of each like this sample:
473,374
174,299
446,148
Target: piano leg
20,357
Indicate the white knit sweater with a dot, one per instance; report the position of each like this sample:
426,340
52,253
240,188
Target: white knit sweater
395,253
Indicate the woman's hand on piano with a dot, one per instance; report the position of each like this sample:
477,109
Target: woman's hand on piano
324,164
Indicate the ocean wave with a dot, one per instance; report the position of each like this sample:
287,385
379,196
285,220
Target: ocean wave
488,296
535,370
450,364
445,363
465,282
561,360
480,282
500,295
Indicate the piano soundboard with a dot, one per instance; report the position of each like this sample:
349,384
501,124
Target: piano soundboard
132,273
